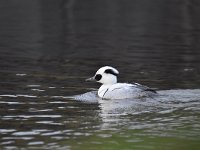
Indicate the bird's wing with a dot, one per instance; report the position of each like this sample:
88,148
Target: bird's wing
143,87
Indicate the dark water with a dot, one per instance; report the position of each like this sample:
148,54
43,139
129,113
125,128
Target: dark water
48,48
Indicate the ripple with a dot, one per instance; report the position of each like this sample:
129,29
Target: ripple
18,137
104,135
11,147
33,116
61,97
49,122
6,130
52,133
167,111
59,137
5,102
7,142
51,87
33,85
24,133
7,95
18,95
39,110
58,102
36,143
38,90
21,74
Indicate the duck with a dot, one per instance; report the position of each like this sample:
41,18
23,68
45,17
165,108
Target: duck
111,89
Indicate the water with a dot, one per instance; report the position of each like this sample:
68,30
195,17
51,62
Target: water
48,49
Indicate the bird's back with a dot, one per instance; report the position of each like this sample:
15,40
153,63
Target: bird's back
125,90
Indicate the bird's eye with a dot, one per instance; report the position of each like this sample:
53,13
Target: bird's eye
98,77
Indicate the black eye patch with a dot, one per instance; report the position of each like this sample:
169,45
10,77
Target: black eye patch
110,71
98,77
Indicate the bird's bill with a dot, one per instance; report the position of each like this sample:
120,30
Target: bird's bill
91,79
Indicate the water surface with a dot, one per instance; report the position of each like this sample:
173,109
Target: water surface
48,49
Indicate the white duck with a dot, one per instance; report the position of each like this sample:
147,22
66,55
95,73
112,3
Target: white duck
110,89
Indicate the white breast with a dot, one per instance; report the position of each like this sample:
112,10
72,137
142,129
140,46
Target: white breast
119,91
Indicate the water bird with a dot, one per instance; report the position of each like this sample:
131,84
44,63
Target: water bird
111,89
